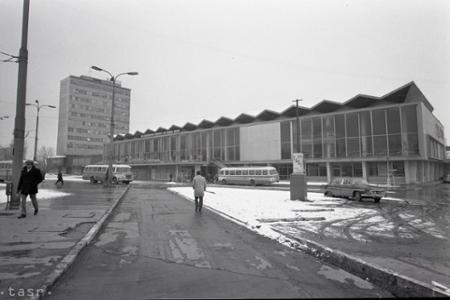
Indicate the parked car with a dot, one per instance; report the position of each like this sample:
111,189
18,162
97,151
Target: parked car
447,178
353,187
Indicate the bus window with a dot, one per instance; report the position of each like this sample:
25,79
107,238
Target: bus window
232,172
264,172
244,172
273,172
258,172
227,172
251,172
238,172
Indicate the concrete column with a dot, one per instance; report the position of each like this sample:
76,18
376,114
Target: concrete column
329,172
364,170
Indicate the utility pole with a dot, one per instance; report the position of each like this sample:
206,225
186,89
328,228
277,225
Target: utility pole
19,123
298,125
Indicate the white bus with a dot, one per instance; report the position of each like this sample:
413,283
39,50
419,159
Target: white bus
248,175
96,173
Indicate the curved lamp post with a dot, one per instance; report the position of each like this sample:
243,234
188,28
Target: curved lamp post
38,107
111,128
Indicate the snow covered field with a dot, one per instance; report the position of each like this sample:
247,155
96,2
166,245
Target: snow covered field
259,209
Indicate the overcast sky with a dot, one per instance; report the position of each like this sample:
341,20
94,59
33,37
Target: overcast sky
206,59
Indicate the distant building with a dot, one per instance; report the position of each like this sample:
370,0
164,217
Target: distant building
394,136
84,118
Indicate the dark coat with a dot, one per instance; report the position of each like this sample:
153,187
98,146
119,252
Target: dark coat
29,181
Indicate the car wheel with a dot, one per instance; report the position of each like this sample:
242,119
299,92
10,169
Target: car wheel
92,180
114,180
224,181
252,182
357,196
377,199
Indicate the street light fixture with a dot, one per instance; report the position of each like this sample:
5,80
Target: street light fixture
38,107
111,133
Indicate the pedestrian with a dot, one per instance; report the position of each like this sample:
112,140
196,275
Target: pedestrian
30,177
60,179
199,186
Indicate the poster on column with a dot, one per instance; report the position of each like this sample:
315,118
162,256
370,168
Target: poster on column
297,161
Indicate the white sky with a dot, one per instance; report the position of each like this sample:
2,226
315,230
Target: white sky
206,59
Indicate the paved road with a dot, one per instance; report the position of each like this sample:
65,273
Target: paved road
156,246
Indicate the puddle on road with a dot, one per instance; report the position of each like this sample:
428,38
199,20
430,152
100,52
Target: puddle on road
344,277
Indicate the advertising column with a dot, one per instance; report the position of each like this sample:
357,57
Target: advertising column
298,178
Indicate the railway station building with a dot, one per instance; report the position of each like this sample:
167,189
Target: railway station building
392,138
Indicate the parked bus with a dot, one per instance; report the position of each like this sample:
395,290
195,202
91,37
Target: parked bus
248,175
96,173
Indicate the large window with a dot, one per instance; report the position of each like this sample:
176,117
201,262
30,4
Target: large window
409,125
352,135
340,135
317,137
306,139
394,131
218,139
379,132
329,137
285,134
365,125
232,144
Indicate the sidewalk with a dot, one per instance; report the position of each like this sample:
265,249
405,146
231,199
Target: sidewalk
35,250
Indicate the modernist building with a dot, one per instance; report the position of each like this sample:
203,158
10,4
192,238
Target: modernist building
84,118
395,136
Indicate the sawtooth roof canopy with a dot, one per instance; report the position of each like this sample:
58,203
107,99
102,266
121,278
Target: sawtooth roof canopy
406,93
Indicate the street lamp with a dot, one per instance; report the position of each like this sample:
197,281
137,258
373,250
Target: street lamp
111,128
38,107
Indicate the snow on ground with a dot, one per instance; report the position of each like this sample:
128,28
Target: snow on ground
42,194
320,214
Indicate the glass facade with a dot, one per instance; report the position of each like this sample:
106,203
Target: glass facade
368,133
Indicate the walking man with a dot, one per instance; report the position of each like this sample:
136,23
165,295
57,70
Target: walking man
199,186
30,177
60,179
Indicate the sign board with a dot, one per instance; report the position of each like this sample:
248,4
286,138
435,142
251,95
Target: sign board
298,164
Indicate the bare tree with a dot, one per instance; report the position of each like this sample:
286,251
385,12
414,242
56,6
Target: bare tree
43,154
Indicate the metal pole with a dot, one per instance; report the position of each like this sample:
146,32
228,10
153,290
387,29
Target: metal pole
298,125
19,123
36,134
111,137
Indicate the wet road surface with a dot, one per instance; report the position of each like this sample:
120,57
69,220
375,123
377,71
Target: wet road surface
156,246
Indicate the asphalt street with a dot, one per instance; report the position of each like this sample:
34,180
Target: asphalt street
155,246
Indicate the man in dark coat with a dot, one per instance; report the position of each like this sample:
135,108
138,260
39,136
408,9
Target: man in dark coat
30,177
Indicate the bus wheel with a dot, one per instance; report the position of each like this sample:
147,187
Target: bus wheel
92,180
224,181
252,182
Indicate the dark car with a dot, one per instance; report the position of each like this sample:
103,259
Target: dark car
353,187
446,178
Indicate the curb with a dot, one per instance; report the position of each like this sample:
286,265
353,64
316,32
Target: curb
399,285
69,259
